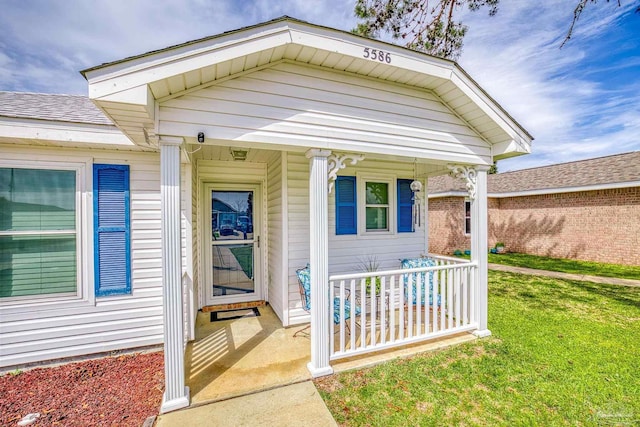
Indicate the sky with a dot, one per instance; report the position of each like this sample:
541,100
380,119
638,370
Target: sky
579,102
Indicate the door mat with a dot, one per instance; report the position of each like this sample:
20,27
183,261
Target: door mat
233,306
218,316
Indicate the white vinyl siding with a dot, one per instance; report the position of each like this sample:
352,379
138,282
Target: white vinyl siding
275,209
297,106
346,252
298,230
43,330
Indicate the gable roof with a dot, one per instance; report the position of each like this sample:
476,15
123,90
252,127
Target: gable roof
139,83
51,107
601,172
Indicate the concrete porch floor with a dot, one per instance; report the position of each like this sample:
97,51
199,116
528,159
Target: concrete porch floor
240,356
237,357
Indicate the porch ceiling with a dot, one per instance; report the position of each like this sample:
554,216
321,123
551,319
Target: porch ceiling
129,90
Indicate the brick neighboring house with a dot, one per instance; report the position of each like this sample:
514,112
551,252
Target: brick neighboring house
587,210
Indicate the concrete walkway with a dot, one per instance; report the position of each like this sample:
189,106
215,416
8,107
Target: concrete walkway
292,405
568,276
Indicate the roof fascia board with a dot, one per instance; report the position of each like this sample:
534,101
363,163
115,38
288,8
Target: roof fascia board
142,73
353,46
507,149
490,107
448,194
139,95
543,191
46,130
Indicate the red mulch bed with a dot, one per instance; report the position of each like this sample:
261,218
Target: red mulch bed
113,391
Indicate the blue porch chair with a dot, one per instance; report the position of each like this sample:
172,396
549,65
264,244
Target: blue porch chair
304,284
410,281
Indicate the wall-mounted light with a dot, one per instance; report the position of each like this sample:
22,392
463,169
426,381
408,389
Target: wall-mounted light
200,137
239,154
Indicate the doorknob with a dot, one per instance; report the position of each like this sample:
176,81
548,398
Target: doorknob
258,241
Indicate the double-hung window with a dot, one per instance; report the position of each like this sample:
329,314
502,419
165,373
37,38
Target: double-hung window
38,232
467,217
373,205
376,206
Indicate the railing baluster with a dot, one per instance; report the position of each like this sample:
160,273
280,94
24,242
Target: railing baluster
465,295
450,299
332,341
418,305
363,313
392,308
410,305
402,286
427,295
472,298
383,310
342,320
458,295
436,306
372,298
352,311
443,297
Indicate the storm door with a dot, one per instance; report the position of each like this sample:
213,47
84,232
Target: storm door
233,247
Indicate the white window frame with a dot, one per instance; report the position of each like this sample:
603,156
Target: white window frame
361,185
464,212
84,242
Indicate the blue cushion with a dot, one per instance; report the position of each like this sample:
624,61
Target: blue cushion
347,310
417,263
304,276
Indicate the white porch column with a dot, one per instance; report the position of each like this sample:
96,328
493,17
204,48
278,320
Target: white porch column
479,237
176,395
319,253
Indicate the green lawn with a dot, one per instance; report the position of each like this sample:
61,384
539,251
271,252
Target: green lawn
567,265
562,353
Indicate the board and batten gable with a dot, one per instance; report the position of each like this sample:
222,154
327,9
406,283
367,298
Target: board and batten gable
290,105
34,330
347,253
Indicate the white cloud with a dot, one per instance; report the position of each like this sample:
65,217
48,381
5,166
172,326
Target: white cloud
556,94
563,97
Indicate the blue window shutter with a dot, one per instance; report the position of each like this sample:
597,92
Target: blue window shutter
346,210
112,244
405,206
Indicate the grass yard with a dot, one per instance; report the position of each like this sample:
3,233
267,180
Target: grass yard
567,265
562,353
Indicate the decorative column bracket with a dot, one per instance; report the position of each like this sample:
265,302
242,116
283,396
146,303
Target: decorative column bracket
469,174
336,162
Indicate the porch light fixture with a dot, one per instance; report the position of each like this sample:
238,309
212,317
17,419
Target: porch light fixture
239,154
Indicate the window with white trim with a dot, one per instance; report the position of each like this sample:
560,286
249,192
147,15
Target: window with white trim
376,206
38,232
467,217
370,205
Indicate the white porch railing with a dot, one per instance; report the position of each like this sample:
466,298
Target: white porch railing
376,310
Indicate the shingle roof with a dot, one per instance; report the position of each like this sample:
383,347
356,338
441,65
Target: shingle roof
618,168
44,106
445,184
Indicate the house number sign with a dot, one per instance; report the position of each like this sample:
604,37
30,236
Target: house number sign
377,55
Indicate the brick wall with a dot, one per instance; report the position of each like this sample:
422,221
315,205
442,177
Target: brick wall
599,225
446,225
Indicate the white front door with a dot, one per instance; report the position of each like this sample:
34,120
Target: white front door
233,261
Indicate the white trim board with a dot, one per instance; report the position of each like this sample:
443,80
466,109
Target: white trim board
543,191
